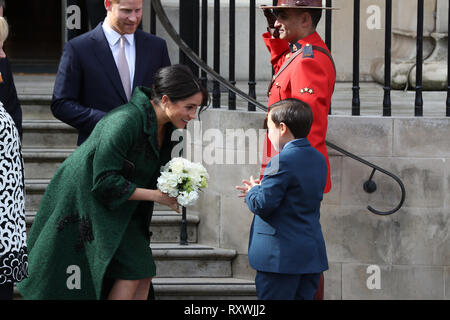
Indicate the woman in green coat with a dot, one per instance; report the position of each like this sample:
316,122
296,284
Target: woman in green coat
93,222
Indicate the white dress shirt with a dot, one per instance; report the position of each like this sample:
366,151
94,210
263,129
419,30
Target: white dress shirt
130,48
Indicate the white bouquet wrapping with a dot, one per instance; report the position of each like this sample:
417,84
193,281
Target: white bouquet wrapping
183,179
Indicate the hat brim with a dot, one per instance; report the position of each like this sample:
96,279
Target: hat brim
296,7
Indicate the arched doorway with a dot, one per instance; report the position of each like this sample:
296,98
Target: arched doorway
36,35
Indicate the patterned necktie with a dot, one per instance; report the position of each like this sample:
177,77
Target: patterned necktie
124,70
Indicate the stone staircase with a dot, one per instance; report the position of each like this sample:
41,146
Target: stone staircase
194,271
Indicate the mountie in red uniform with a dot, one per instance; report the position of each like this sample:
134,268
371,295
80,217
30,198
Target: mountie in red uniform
305,71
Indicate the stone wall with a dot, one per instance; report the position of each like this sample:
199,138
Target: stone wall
410,249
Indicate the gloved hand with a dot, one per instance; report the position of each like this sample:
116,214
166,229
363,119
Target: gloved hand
271,18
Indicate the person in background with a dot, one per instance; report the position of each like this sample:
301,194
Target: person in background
13,250
8,92
100,69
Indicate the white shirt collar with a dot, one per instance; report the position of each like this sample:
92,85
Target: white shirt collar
113,37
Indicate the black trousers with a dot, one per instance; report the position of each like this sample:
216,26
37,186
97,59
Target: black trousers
6,291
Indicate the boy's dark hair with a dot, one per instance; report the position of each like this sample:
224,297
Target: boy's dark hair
295,114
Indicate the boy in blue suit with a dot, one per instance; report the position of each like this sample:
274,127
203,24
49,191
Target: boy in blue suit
286,246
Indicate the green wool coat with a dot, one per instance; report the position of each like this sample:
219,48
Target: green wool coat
85,210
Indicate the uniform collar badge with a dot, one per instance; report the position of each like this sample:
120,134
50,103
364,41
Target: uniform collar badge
295,46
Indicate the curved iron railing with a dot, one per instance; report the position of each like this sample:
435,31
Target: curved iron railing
369,186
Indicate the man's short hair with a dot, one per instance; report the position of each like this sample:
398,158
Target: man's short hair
316,15
295,114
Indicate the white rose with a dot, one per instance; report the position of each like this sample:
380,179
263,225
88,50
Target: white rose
177,165
168,183
187,199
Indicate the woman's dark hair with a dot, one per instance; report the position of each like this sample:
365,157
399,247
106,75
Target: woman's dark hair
178,83
295,114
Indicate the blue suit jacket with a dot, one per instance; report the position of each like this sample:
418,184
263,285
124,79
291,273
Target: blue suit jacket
88,83
286,235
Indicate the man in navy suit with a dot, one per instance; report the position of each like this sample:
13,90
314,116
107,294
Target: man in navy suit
88,84
287,247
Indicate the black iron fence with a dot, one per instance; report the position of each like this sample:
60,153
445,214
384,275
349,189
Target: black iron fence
202,5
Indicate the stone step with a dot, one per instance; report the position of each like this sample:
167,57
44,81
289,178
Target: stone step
192,261
37,112
196,271
35,188
197,289
43,163
204,289
36,107
165,226
48,134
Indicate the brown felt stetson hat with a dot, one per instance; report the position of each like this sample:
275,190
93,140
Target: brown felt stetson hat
298,4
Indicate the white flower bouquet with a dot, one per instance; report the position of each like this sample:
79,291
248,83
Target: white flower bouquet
183,179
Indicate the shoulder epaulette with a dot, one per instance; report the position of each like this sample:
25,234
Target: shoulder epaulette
308,51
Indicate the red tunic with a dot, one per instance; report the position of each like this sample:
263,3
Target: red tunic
310,79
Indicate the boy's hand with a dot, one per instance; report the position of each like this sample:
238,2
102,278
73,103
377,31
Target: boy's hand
248,185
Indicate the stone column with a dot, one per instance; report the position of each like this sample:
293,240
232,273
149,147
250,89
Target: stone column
404,39
435,66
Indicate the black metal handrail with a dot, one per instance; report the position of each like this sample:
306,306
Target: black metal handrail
387,104
369,186
418,110
448,70
356,103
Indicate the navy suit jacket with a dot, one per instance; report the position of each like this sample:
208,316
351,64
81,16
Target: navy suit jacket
88,83
286,236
